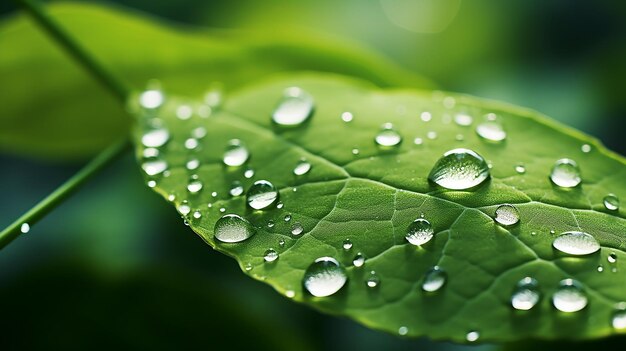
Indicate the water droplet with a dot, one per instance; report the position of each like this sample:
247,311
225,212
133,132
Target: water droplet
184,112
388,136
152,183
198,133
154,167
565,173
236,154
618,320
507,215
426,116
270,255
150,152
520,168
302,168
359,260
576,243
290,294
155,137
432,135
294,108
355,151
197,214
184,208
151,99
25,228
236,188
472,336
600,268
270,223
171,197
459,169
434,279
569,297
418,141
459,137
194,186
261,195
248,267
232,228
403,330
491,131
420,232
214,194
297,229
249,173
463,119
449,102
347,117
192,164
611,202
347,244
324,277
586,148
612,257
279,205
373,280
281,243
526,294
287,217
191,143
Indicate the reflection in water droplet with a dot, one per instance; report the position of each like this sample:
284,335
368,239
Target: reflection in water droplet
236,188
347,117
565,173
270,255
419,232
569,297
24,228
232,228
373,280
507,215
491,131
297,229
463,119
576,243
236,153
154,167
359,260
302,168
434,279
611,202
347,244
388,136
526,294
295,107
459,169
261,195
472,336
324,277
155,137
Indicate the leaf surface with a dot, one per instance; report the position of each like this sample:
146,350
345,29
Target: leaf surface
371,197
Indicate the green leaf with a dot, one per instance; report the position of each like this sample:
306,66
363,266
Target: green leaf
371,198
52,109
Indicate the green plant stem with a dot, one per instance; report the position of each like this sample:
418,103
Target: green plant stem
63,192
109,80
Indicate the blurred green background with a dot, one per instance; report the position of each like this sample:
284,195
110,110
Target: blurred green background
113,266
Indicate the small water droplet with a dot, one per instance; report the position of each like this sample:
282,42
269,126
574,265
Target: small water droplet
611,202
507,215
184,112
232,228
287,217
472,336
426,116
279,205
154,167
290,294
184,208
526,294
198,132
151,99
491,131
297,229
418,141
214,194
434,279
270,255
197,214
388,136
192,164
612,257
347,117
359,260
618,321
155,137
324,277
295,108
249,173
191,144
236,188
586,148
24,228
432,135
152,183
355,151
222,209
373,280
576,243
565,173
171,197
347,244
302,167
194,186
463,119
270,223
459,137
459,169
261,195
248,267
150,152
236,154
403,330
569,297
419,232
600,268
281,243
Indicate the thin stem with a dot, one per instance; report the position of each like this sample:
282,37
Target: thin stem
109,80
63,192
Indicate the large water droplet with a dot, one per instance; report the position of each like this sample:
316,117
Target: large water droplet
236,153
294,108
270,255
618,320
302,167
155,137
434,279
491,131
576,243
154,167
261,195
507,215
232,228
324,277
420,232
565,173
459,169
388,136
526,294
611,202
569,297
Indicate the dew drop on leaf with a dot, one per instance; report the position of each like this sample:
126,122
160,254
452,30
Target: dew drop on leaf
403,330
287,217
387,136
324,277
419,232
618,321
198,132
194,186
236,188
232,228
191,144
302,167
418,141
459,169
569,296
463,119
295,108
155,137
565,173
347,245
520,168
248,173
151,183
184,112
507,215
151,99
24,228
586,148
297,229
236,154
432,135
154,167
611,202
347,117
150,152
434,279
612,257
261,195
576,243
270,223
373,280
526,294
472,336
491,131
359,260
192,164
184,208
270,255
